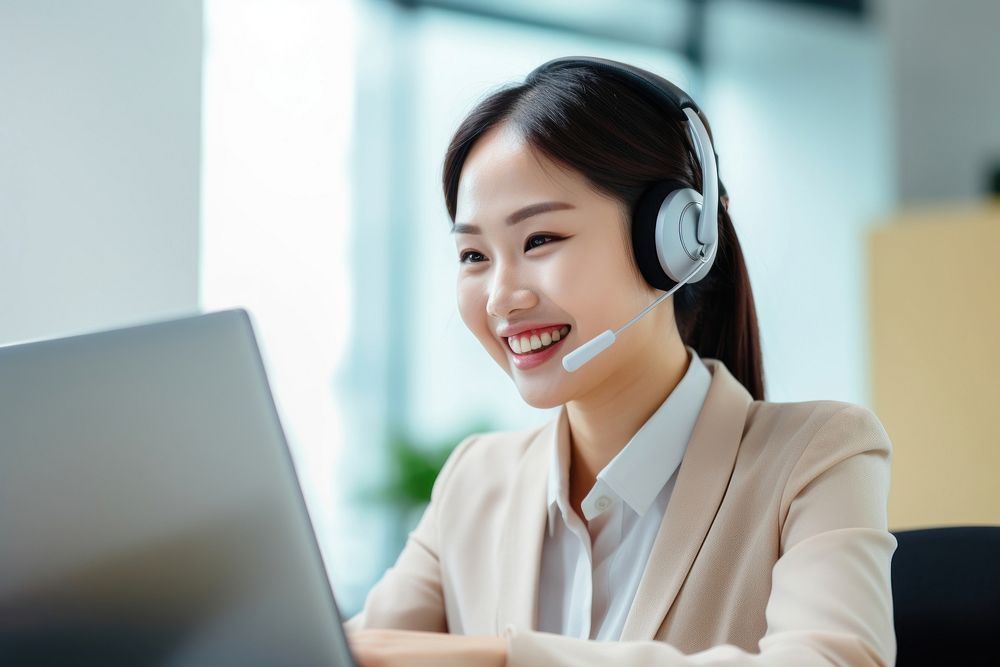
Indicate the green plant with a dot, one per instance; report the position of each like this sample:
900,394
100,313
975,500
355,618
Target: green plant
414,466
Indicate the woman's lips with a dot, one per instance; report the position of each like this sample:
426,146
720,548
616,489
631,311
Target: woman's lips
530,360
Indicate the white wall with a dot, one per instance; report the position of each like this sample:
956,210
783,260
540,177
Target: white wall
99,163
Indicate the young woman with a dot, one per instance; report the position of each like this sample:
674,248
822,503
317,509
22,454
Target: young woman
669,515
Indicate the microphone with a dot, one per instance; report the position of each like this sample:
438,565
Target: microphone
593,347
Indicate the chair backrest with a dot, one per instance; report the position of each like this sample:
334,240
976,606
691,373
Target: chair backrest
946,596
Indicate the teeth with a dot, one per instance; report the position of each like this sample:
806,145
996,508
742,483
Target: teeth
525,344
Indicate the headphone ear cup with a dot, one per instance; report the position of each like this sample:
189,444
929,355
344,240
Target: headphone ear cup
665,234
644,247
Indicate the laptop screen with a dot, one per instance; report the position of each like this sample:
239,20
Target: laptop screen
149,508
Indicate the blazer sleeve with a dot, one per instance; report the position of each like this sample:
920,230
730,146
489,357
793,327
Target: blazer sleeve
830,601
409,596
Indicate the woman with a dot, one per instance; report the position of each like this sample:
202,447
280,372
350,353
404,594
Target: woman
669,514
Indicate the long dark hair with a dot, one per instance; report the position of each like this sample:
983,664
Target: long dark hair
622,143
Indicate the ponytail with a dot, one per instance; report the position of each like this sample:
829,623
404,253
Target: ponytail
717,316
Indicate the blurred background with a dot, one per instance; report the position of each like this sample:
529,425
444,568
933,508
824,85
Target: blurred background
169,156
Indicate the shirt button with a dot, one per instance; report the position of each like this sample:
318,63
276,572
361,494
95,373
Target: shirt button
603,502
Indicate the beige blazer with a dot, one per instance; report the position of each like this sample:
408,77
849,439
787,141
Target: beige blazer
774,548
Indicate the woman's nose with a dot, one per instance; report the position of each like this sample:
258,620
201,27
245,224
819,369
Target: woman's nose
508,293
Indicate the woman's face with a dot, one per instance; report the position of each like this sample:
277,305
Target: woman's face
565,267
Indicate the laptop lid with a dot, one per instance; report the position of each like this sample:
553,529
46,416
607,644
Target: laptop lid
149,508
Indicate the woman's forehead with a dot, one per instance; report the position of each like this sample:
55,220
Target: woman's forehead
503,173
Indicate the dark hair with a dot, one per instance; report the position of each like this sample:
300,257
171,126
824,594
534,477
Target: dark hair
622,143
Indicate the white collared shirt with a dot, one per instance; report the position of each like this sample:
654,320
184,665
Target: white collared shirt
585,590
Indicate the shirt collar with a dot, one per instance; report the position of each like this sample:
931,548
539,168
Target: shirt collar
637,474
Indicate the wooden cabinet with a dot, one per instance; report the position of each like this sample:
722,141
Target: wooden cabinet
934,315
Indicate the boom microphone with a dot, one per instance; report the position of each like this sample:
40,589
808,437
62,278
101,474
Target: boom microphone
593,347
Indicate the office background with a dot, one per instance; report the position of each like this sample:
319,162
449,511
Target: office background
167,156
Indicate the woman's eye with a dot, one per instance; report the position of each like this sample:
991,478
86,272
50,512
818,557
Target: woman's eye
462,259
530,245
465,256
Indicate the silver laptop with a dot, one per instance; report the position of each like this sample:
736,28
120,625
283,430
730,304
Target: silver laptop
149,508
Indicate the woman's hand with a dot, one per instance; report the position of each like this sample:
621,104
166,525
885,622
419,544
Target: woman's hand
389,648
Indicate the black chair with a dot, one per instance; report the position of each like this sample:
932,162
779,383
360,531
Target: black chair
946,596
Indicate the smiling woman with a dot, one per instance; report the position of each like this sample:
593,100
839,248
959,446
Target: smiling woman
669,514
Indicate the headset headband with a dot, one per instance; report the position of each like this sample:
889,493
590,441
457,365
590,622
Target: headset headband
675,99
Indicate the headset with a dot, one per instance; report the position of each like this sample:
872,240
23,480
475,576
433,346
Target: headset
675,229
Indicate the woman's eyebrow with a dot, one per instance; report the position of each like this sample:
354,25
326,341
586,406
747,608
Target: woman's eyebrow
515,217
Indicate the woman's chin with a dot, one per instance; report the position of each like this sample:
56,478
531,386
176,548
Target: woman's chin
539,398
543,405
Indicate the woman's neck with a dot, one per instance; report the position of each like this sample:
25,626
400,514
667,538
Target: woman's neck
603,422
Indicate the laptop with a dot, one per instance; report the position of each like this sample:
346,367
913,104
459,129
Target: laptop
150,512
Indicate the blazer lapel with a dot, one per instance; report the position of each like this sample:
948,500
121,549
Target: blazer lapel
701,483
523,535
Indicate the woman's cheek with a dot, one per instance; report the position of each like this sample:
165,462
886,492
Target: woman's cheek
472,309
569,286
464,299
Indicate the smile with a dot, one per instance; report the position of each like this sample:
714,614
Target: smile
534,341
536,347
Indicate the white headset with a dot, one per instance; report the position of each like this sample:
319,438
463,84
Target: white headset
675,230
